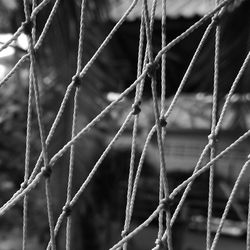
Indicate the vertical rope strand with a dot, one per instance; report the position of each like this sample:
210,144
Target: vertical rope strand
27,149
248,222
134,135
144,68
157,119
44,150
139,90
213,135
74,120
27,162
163,94
34,5
41,129
71,170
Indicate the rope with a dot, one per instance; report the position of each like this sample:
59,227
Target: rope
139,89
248,222
27,149
74,120
217,128
142,76
41,129
37,45
93,171
229,203
20,29
132,188
163,94
27,162
146,66
158,126
12,39
213,135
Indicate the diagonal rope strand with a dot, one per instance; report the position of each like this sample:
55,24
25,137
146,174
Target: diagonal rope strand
147,66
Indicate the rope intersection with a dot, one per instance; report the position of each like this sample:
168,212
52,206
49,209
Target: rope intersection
146,67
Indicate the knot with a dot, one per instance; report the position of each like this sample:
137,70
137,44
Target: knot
159,243
151,69
136,108
27,27
47,171
67,209
217,20
24,185
77,80
212,138
167,204
124,233
163,122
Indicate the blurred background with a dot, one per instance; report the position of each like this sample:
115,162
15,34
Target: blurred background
99,215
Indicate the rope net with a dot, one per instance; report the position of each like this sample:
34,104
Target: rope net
147,67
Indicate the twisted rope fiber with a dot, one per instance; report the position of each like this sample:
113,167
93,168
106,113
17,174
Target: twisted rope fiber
28,137
207,166
153,83
138,84
27,161
92,173
137,99
213,135
248,222
65,98
27,149
43,143
108,38
71,168
229,202
95,56
168,112
138,80
220,120
37,45
37,179
33,31
217,128
41,128
163,94
184,80
74,118
50,135
105,42
12,39
139,89
151,133
20,29
158,126
58,116
142,158
191,29
141,161
128,12
177,190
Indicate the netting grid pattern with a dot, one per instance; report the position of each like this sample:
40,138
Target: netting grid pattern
147,65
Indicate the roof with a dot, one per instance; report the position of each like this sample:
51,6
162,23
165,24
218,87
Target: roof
175,8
